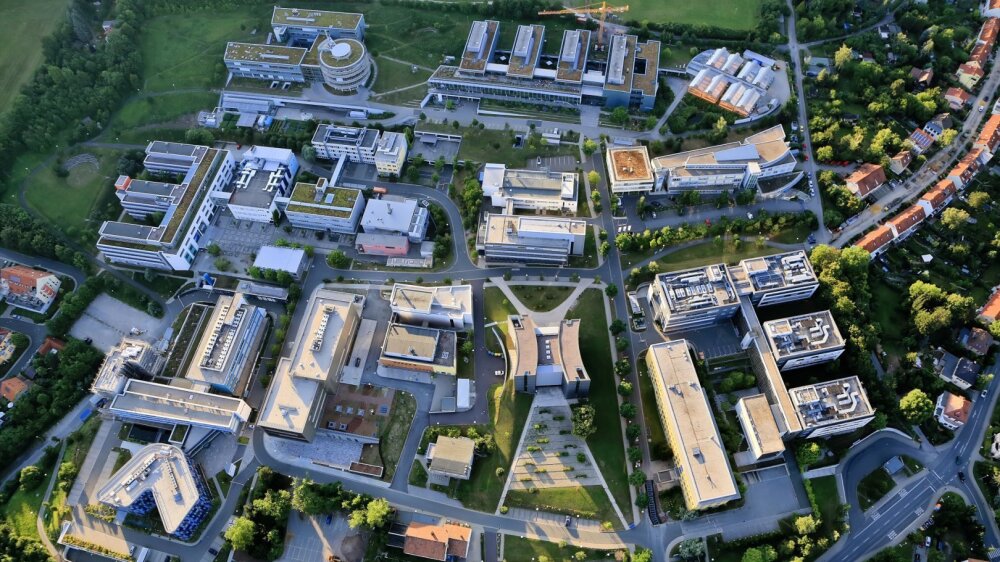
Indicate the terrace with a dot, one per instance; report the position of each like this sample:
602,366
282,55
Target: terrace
649,54
479,46
830,402
807,333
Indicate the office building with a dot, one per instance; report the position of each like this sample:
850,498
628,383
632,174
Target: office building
392,214
803,340
424,350
324,205
530,190
733,82
302,381
525,74
693,298
546,356
304,26
451,457
865,180
759,427
265,62
703,464
264,174
831,408
229,345
131,358
952,410
776,278
727,167
442,307
172,244
160,476
357,144
389,245
154,403
390,154
506,238
24,287
629,170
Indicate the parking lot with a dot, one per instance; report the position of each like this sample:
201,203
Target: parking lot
554,163
107,320
312,539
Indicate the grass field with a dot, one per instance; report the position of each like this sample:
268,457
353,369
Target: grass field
518,548
828,500
887,307
393,76
659,449
69,201
161,109
710,252
874,487
541,298
606,444
393,436
731,14
589,502
25,25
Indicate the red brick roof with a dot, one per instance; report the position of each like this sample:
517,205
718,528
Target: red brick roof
970,69
909,218
13,387
956,407
990,134
876,239
958,94
866,179
988,33
51,344
938,194
991,310
437,542
968,165
23,280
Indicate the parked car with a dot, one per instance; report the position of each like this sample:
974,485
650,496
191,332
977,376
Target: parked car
213,552
984,392
329,519
927,542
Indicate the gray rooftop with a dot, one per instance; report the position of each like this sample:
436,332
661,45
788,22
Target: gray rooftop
698,288
803,334
830,402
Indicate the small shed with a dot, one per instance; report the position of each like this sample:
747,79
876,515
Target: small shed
291,260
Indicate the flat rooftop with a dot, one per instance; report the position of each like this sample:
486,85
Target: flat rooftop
131,357
698,288
573,55
764,433
534,184
524,55
173,404
803,334
830,402
269,54
323,199
479,46
323,335
455,299
547,349
161,469
297,17
764,148
225,329
393,214
630,164
347,136
689,418
621,63
455,74
648,54
777,271
424,345
341,53
509,229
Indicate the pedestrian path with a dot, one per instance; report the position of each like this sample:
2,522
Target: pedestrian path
553,316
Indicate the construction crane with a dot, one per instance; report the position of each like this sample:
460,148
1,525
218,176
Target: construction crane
600,8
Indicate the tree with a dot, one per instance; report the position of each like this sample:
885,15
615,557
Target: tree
589,146
691,549
642,554
978,200
605,248
31,477
995,328
611,290
719,131
843,56
67,471
309,153
275,504
805,525
241,533
199,136
954,218
468,347
499,471
625,388
947,136
594,178
337,259
619,115
637,478
213,249
583,421
808,454
916,406
627,410
618,326
634,455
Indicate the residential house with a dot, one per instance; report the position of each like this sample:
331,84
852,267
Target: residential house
938,197
906,221
51,345
7,346
451,457
921,139
866,179
969,75
901,161
436,542
976,340
876,241
13,387
938,124
991,310
989,137
968,167
922,76
952,410
957,98
957,370
29,288
979,56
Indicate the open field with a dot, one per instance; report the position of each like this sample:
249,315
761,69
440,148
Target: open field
709,253
659,449
393,436
518,548
162,109
541,298
69,201
606,444
874,487
393,76
589,502
731,14
25,25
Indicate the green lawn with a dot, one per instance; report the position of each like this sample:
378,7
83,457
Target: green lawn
418,475
710,252
393,435
887,309
26,24
488,145
541,298
393,76
22,509
828,500
731,14
68,202
589,502
508,411
874,487
589,258
913,466
606,444
518,548
497,306
659,449
162,109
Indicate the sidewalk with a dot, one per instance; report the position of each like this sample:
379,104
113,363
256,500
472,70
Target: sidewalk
553,316
40,520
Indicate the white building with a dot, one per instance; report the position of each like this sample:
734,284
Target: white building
390,154
444,306
952,410
228,347
729,167
629,170
148,402
289,260
776,278
759,426
130,358
532,190
324,205
187,212
693,298
358,144
304,26
831,408
804,340
264,174
396,215
506,238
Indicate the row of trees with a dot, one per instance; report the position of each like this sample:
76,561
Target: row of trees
21,233
763,223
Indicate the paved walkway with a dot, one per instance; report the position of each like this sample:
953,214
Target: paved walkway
553,316
40,520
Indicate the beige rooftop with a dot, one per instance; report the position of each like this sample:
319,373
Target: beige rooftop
766,438
453,455
630,164
766,146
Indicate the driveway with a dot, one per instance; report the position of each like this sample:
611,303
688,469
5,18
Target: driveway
311,539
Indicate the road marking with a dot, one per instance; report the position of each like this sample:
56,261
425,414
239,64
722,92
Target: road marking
919,511
876,516
892,535
903,492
